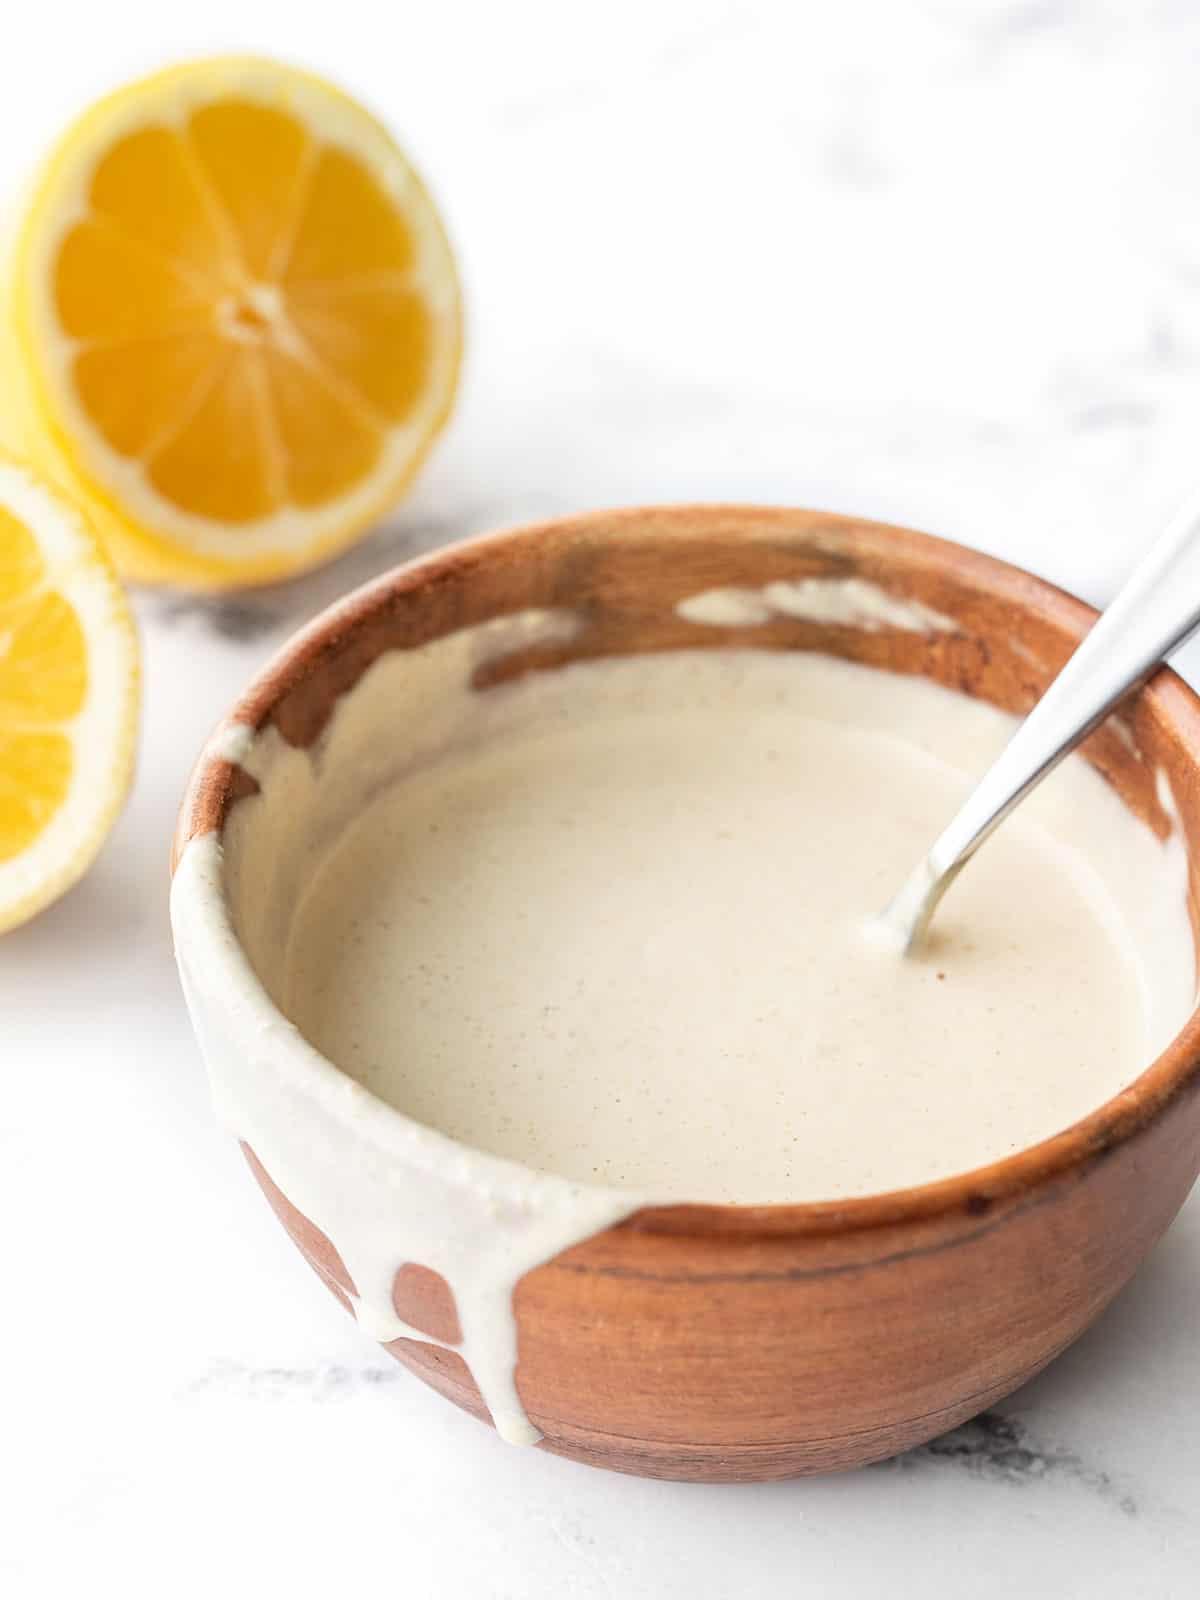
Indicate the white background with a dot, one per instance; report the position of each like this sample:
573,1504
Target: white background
935,262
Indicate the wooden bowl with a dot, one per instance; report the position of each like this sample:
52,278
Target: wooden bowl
721,1342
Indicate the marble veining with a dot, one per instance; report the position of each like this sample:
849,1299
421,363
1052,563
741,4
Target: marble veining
314,1384
1000,1448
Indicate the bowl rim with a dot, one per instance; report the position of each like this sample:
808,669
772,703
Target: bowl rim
1068,1154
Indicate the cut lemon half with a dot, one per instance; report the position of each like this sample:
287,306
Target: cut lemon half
68,695
237,320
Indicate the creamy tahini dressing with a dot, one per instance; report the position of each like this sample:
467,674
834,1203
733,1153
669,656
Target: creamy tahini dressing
850,602
606,925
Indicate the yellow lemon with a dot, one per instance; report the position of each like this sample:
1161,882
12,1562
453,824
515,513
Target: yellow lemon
237,322
68,694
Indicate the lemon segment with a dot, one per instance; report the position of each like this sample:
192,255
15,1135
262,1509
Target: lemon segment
68,695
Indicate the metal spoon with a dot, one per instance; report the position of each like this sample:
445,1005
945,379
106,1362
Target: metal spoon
1155,612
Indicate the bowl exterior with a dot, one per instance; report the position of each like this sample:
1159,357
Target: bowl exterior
663,1348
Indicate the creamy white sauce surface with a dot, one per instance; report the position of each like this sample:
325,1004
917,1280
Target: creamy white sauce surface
844,602
622,940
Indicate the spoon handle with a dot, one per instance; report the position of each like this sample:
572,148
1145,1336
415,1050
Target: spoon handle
1156,610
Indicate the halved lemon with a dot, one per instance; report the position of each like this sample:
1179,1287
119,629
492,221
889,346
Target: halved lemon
237,319
68,694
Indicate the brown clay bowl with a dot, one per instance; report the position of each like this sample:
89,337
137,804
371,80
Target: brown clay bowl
721,1342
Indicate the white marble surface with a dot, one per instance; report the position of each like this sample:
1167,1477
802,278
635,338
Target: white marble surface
935,262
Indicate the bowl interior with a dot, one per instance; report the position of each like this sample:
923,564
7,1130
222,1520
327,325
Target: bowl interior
485,613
